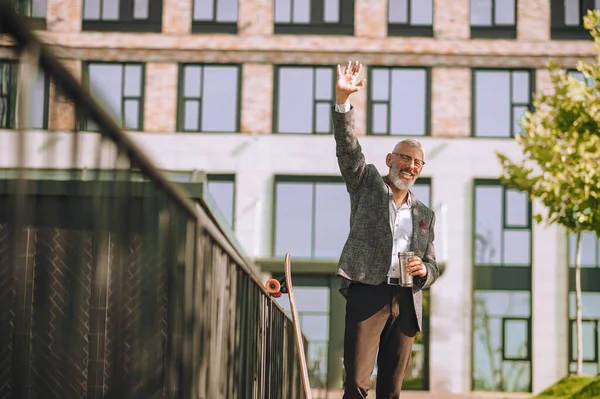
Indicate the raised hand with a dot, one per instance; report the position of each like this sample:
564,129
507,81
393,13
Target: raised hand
346,82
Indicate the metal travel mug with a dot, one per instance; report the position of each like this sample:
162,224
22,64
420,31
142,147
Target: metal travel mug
406,280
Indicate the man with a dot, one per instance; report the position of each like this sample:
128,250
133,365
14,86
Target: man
382,318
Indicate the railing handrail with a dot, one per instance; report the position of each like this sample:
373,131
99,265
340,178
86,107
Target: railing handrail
17,26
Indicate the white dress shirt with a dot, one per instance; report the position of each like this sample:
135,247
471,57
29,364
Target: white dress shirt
400,220
401,225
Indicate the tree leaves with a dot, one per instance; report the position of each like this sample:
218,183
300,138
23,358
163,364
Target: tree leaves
561,146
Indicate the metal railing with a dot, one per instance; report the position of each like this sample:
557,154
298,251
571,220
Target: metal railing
114,285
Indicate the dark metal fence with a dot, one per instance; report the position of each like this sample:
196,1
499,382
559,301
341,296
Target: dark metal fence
113,283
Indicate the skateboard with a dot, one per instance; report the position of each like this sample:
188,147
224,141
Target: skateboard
276,288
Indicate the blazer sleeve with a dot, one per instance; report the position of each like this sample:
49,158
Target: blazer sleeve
429,260
349,153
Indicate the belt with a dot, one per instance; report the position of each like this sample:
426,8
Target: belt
393,281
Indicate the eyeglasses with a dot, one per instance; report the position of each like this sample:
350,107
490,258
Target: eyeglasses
408,159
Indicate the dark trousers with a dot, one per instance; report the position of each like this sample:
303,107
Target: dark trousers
380,318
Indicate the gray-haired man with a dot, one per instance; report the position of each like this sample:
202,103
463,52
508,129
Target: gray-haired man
385,218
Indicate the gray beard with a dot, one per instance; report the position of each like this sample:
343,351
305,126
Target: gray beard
398,182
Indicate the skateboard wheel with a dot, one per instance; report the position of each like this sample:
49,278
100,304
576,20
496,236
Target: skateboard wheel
277,294
273,287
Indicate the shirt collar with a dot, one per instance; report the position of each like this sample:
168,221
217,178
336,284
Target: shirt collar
409,195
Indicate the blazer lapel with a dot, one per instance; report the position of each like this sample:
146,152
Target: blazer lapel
416,242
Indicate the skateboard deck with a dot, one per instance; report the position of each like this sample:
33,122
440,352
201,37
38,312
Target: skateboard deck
276,288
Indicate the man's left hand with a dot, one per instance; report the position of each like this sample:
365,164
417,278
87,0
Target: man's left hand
416,267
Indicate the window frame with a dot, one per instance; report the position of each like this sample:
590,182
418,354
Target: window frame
344,27
276,85
408,29
529,226
532,89
559,30
590,275
425,181
572,355
494,31
85,80
12,97
35,23
313,180
521,275
212,25
528,356
180,122
370,102
306,280
228,178
127,23
590,283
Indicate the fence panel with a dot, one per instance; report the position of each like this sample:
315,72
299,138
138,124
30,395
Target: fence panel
113,283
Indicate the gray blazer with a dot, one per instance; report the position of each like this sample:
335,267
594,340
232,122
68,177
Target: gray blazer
366,256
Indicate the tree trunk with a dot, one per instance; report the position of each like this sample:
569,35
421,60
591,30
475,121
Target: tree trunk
578,317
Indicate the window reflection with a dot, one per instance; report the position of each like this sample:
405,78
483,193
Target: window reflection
398,99
497,111
501,332
590,309
502,227
222,189
488,225
119,89
581,77
492,12
304,99
517,212
502,309
312,218
422,191
420,14
209,98
313,309
590,249
294,218
38,97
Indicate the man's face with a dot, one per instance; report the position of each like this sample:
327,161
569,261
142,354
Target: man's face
405,163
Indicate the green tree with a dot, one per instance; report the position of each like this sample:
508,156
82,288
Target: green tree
561,156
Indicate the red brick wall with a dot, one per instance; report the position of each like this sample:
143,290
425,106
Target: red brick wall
450,54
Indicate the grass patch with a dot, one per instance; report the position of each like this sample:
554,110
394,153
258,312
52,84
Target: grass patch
591,390
566,388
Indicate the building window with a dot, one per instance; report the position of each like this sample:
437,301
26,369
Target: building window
122,15
119,87
222,190
502,289
422,190
581,77
493,19
215,16
313,311
311,216
399,101
305,96
209,99
410,18
566,18
322,17
501,98
38,98
34,10
590,303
